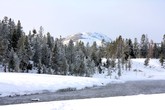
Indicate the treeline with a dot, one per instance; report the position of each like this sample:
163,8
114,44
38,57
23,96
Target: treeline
20,52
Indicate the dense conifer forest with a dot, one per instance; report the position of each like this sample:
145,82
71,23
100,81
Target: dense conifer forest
21,52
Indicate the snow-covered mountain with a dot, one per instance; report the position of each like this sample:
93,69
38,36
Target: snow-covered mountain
87,38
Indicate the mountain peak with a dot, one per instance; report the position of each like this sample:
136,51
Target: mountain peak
87,37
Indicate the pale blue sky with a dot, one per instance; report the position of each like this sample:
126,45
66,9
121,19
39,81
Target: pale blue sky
129,18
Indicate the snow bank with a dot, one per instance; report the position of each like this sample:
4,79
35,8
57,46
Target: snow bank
21,83
140,102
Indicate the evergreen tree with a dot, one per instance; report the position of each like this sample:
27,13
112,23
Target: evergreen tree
108,63
70,52
162,52
50,41
95,54
79,65
11,27
4,28
155,51
3,48
120,45
14,40
44,69
19,29
119,53
131,50
13,65
129,63
113,62
150,49
144,46
28,48
136,48
163,46
90,67
41,32
37,52
162,59
50,70
55,58
94,58
123,61
17,34
39,67
87,47
119,67
146,61
22,54
45,55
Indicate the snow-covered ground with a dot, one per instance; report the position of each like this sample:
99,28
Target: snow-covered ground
21,83
140,102
138,71
24,83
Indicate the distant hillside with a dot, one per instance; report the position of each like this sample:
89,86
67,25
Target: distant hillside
87,38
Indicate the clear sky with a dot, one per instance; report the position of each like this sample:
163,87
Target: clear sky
129,18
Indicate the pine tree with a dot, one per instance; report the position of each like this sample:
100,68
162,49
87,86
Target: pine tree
21,53
19,29
24,52
41,32
50,70
65,66
90,67
136,48
163,46
150,49
3,48
108,63
94,56
70,52
146,62
162,59
4,28
13,65
144,46
155,51
50,41
39,67
58,61
44,69
54,59
113,62
119,67
123,61
17,34
119,54
37,52
79,65
129,63
28,48
11,27
14,40
45,55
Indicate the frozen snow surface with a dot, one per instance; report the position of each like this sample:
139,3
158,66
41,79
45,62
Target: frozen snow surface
140,102
12,84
